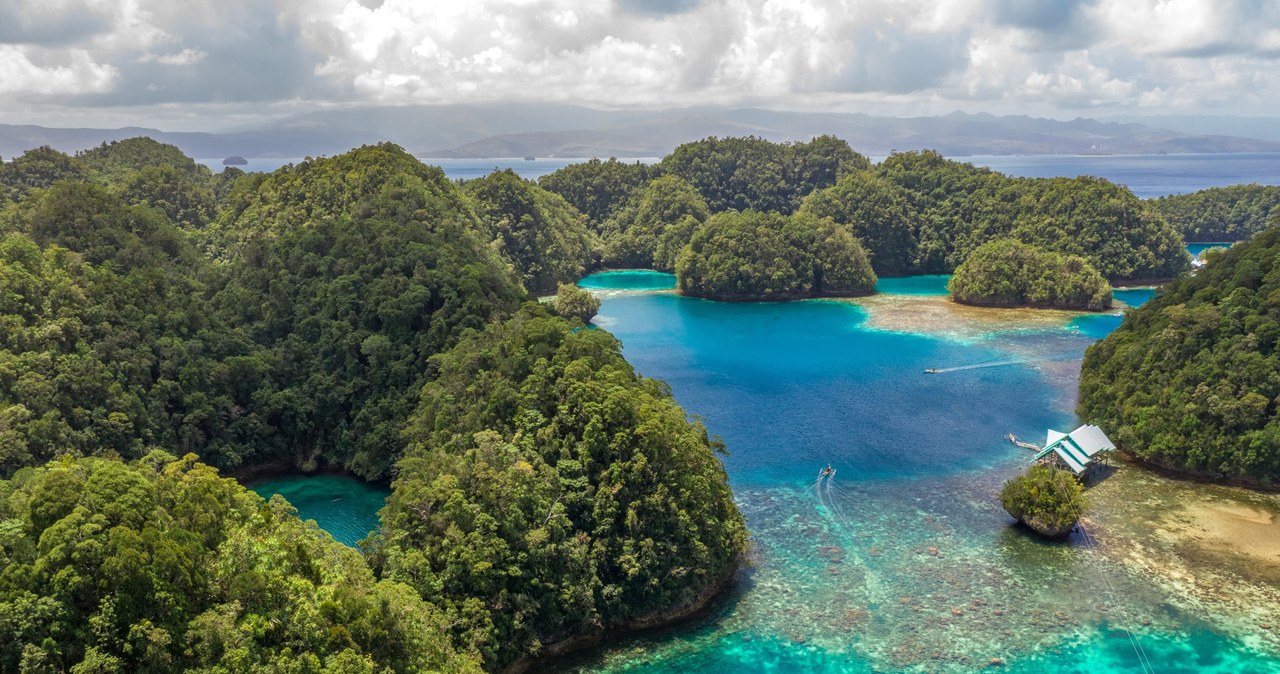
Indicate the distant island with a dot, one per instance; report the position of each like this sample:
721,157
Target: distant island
235,160
559,130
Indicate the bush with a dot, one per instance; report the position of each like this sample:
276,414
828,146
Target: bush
1048,500
574,302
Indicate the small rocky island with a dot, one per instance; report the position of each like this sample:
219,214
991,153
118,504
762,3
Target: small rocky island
1009,273
1048,500
235,160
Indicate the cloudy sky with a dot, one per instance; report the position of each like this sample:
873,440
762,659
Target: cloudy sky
212,64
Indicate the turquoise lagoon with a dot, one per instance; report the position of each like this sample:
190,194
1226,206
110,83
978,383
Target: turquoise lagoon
344,506
629,279
1196,249
932,284
904,561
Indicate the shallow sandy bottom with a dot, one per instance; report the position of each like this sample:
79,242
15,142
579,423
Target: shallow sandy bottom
1215,549
938,315
1243,529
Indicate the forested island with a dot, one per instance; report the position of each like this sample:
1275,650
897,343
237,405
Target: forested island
914,213
1189,379
1008,273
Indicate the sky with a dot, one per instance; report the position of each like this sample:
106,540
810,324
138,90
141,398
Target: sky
219,64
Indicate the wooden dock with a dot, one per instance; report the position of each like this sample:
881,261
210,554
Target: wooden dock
1025,445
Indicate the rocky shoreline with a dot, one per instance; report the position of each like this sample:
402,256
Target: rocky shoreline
578,642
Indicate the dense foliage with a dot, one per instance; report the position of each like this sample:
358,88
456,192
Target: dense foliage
350,302
295,318
1007,273
962,207
1232,213
654,225
1191,379
160,565
538,232
598,188
1047,499
549,489
35,169
876,211
753,173
114,162
767,256
107,342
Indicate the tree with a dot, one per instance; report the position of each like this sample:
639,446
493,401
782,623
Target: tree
768,256
876,211
549,491
1189,381
38,168
1232,213
962,207
598,188
161,565
754,174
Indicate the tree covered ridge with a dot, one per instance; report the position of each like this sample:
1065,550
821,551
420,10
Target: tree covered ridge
1232,213
913,213
549,490
544,238
1191,379
1008,273
160,565
961,206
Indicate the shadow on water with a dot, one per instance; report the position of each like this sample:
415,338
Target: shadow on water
705,625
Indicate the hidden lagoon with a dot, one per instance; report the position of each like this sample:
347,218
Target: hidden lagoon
905,561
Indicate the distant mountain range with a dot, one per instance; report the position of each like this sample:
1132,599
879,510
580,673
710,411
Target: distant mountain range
553,130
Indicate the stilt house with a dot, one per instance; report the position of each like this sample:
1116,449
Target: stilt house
1077,451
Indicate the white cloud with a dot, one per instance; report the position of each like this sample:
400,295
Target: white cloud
69,72
185,57
874,55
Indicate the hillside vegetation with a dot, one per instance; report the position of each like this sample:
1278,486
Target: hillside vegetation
1232,213
159,565
547,487
914,213
767,256
1191,379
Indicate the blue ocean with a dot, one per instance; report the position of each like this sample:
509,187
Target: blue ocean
1147,175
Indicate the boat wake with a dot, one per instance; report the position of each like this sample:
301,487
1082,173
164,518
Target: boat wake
998,363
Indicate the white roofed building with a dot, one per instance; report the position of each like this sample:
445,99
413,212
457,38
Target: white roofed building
1076,451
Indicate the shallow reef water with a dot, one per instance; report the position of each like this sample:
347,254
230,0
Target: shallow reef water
904,559
342,505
